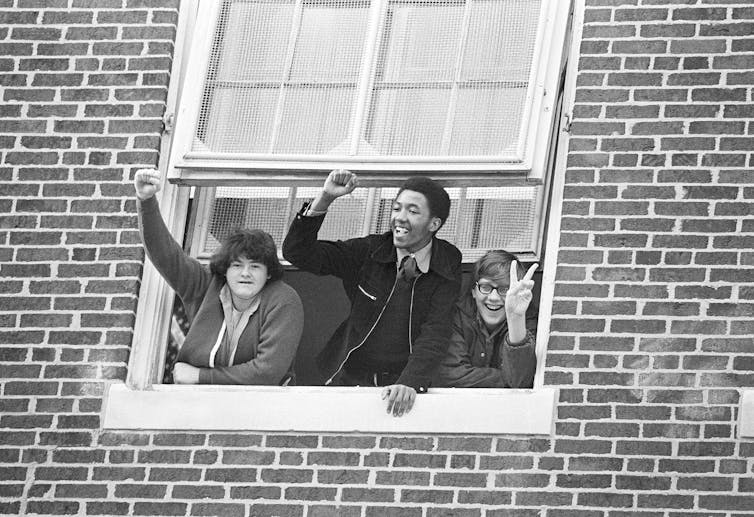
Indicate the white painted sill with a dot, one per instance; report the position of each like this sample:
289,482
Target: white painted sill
746,415
327,409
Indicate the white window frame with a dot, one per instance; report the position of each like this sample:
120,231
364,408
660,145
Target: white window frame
527,165
141,403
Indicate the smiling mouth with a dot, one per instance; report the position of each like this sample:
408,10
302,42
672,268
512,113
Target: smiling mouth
400,231
493,309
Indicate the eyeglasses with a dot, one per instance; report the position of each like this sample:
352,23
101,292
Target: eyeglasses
488,288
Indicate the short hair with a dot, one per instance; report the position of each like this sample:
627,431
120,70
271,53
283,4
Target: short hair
256,245
495,264
437,198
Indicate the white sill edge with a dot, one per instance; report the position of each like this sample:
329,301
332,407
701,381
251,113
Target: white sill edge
746,414
328,409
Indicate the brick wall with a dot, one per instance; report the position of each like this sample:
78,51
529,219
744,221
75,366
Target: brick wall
652,325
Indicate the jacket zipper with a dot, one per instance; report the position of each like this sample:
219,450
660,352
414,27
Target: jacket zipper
368,333
213,351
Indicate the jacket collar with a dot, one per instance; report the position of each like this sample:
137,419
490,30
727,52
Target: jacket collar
440,263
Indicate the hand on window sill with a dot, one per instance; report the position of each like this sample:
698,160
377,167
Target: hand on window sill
184,373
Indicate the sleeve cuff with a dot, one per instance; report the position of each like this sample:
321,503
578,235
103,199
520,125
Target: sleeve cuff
205,376
308,211
528,339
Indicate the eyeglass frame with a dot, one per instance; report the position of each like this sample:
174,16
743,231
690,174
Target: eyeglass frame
501,294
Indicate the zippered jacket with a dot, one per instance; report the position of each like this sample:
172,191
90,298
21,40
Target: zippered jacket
467,364
367,267
267,346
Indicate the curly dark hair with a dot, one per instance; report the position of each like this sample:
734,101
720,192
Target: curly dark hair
256,245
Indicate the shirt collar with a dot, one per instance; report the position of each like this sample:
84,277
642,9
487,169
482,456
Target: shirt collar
422,256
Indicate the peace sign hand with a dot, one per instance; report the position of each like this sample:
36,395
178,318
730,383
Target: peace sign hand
519,296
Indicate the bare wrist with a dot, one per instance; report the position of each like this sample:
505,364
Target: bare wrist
322,202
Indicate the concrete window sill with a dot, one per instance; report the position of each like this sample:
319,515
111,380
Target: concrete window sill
326,409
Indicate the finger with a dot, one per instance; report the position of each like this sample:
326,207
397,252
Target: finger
526,285
148,172
148,178
400,403
529,274
385,393
344,177
391,400
337,176
411,400
514,273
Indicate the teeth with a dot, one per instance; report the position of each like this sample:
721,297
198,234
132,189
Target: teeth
401,231
494,308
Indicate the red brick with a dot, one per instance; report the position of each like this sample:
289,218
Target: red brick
52,507
402,478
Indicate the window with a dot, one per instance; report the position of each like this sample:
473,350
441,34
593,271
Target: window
293,89
466,90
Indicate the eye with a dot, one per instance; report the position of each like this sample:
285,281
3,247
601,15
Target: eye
396,208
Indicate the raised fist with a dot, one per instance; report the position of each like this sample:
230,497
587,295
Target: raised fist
147,183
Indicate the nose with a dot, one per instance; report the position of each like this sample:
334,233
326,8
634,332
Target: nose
400,215
246,271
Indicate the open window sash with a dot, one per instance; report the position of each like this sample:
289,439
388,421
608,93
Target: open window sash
464,90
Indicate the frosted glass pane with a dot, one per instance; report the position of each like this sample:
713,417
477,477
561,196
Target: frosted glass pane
255,41
330,43
408,121
501,40
420,42
314,120
238,120
487,120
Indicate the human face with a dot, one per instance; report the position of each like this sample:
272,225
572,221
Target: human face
411,221
245,279
491,307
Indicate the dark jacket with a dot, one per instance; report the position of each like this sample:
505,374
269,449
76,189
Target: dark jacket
367,267
467,364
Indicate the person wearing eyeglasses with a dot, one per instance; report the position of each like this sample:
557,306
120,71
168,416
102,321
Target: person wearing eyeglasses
492,344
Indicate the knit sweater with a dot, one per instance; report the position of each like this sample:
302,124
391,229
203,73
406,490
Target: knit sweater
267,346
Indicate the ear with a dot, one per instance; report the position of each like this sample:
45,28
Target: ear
435,224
